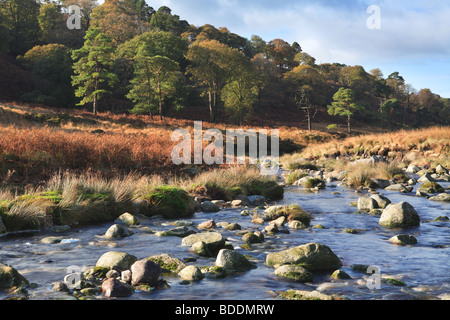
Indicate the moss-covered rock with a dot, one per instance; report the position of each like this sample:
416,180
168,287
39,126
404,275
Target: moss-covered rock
432,187
308,295
291,212
312,256
214,272
294,272
10,277
168,263
170,202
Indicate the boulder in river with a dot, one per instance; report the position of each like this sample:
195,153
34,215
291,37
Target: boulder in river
10,277
312,256
119,261
214,241
233,261
382,201
397,187
367,204
113,288
191,273
145,272
441,197
127,219
399,215
181,232
208,206
403,240
294,272
168,263
118,231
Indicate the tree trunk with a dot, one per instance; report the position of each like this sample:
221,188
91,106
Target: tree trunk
308,114
211,113
94,108
160,101
348,125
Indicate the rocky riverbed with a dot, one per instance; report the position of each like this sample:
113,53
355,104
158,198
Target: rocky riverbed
326,242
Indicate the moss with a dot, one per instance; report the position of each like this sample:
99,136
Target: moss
395,282
170,267
233,192
313,183
351,231
168,201
100,272
53,196
432,187
291,212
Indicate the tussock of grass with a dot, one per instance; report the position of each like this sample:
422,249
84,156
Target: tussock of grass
88,198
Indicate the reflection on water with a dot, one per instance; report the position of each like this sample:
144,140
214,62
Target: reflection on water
423,267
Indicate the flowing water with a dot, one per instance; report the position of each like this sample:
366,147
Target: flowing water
424,267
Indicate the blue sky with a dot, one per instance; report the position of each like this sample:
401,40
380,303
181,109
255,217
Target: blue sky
414,38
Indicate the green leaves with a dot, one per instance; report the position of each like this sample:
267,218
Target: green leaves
92,68
344,105
155,80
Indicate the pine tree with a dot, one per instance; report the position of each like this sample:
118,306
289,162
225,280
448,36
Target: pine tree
92,68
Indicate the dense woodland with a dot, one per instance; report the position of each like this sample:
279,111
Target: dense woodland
129,57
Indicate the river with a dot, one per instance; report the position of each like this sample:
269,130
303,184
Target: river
424,267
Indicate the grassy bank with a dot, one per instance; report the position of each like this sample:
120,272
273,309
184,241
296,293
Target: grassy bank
424,147
71,199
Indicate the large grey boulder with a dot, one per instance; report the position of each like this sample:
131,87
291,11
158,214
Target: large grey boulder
180,232
312,256
118,231
214,241
113,288
127,219
399,215
382,201
396,187
441,197
208,206
191,273
145,272
233,261
367,204
119,261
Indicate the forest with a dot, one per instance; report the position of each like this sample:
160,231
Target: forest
127,57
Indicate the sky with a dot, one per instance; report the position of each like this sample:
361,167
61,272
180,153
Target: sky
411,37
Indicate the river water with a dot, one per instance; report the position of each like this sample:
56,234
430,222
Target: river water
424,267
